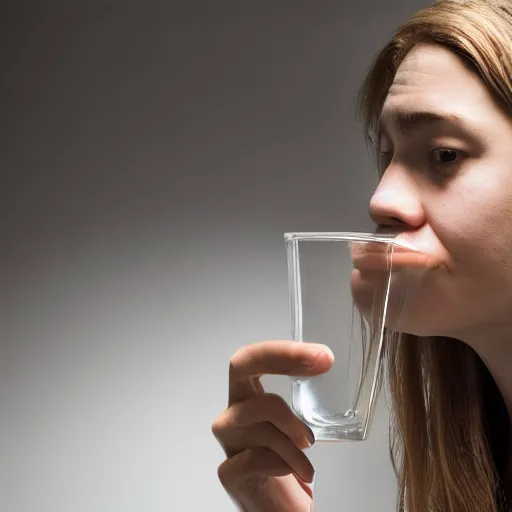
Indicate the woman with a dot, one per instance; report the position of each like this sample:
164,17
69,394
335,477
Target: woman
437,108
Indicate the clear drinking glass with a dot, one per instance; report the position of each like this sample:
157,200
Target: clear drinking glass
343,293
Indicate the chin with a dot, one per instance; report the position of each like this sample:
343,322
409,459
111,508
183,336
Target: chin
369,291
412,307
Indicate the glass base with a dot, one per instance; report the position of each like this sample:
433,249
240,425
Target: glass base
337,433
326,424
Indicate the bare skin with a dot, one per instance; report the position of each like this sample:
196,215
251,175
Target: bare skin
445,190
266,469
455,206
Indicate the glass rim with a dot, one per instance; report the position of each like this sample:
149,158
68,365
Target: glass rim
342,236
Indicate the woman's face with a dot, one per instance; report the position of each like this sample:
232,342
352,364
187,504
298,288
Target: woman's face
446,188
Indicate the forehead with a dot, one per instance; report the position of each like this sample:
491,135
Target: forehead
432,78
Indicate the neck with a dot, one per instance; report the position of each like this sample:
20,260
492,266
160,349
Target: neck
497,357
495,351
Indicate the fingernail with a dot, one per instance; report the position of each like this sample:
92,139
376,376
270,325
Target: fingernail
310,436
309,481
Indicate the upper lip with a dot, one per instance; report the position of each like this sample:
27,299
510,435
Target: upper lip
398,235
388,231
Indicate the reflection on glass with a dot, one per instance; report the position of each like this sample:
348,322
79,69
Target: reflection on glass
347,290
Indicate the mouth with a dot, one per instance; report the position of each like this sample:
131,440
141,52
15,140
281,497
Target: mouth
379,257
407,254
371,256
406,251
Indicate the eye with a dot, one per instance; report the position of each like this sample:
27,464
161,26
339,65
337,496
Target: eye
445,159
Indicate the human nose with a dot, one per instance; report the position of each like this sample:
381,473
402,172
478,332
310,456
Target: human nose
396,203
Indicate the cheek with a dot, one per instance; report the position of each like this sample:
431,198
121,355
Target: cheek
413,302
474,227
406,303
473,223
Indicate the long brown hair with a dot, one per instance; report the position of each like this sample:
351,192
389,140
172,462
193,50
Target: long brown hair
450,427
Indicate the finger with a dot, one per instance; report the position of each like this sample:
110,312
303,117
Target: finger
249,464
266,435
269,408
277,358
253,462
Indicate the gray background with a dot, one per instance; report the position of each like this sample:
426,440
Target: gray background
152,157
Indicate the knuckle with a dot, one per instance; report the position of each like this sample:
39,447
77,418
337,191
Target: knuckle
243,354
234,468
223,473
237,357
216,426
276,402
222,423
235,362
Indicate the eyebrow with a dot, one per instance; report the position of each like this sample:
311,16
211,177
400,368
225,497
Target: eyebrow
411,121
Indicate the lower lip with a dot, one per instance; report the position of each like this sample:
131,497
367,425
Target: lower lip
371,261
401,258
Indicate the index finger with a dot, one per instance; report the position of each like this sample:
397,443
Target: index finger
277,357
